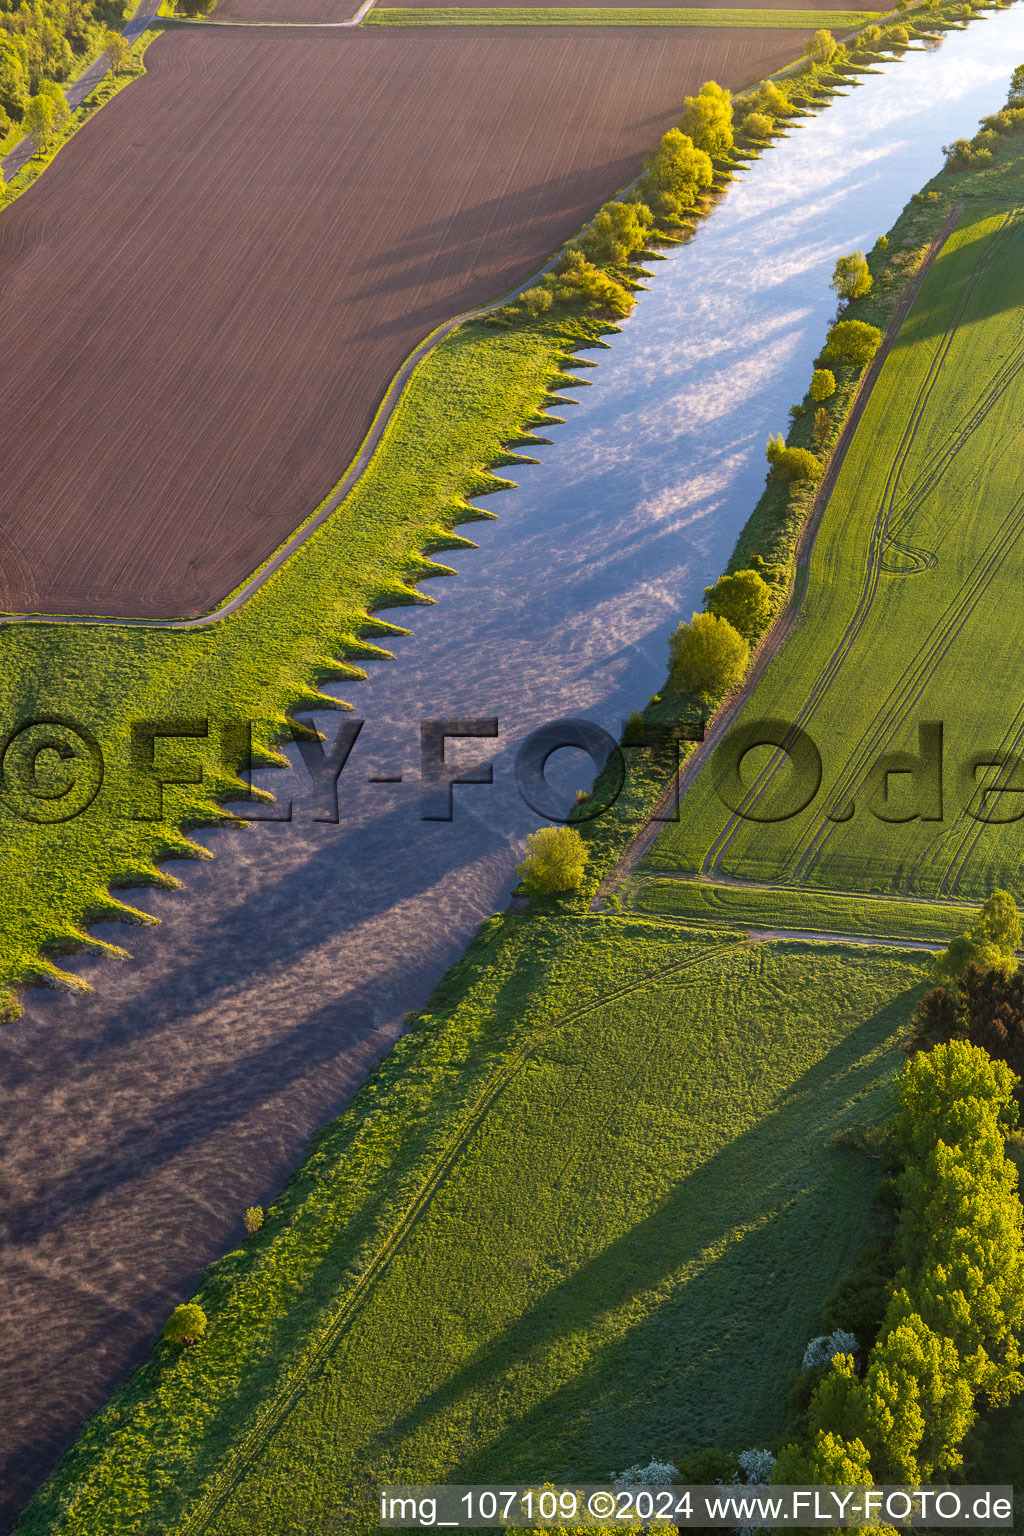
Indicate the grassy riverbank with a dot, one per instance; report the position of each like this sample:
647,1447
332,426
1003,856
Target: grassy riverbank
478,1292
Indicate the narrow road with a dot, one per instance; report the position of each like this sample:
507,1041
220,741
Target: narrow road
79,89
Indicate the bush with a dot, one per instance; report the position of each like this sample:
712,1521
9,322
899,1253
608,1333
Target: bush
744,598
555,860
857,1302
536,300
615,232
961,155
578,278
185,1324
758,125
775,448
798,464
869,37
851,278
770,100
253,1219
823,384
898,35
853,342
823,1350
707,656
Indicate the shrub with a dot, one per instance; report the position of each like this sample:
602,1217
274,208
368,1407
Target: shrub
707,119
990,943
770,100
756,1466
744,598
655,1474
707,656
536,300
882,243
853,342
758,125
898,35
851,278
578,278
961,155
708,1466
615,232
857,1302
775,448
675,173
555,860
869,37
253,1219
798,464
185,1324
823,384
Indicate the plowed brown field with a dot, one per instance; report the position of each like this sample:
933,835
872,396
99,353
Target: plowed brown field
204,298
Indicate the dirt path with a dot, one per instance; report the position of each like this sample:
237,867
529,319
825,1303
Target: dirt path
777,635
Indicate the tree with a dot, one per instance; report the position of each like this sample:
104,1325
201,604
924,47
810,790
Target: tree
742,597
758,125
707,656
775,448
821,49
770,100
185,1324
798,464
577,278
1017,84
851,278
823,384
13,82
707,119
675,172
43,116
898,35
116,48
822,429
615,232
853,342
991,943
870,37
555,860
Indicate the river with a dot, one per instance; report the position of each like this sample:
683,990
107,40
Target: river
142,1119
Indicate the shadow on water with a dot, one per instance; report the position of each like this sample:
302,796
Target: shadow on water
141,1120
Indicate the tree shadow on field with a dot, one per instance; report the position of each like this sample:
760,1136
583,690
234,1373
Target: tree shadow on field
667,1372
996,260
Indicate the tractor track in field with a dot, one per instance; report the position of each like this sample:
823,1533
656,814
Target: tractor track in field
225,1479
878,543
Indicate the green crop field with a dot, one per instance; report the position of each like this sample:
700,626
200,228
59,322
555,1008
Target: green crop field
911,619
456,1288
613,16
771,907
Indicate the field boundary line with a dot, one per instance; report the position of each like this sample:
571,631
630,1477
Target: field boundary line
238,1461
207,21
677,787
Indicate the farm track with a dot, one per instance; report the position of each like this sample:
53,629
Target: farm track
225,1480
876,546
681,783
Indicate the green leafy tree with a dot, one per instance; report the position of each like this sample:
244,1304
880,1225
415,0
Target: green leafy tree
14,92
186,1324
898,35
991,943
770,100
555,860
853,342
707,656
742,597
615,232
822,429
798,464
851,278
823,384
577,278
675,173
870,37
775,448
116,48
1017,84
821,49
707,119
44,116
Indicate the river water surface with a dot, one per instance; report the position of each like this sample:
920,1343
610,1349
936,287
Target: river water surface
140,1121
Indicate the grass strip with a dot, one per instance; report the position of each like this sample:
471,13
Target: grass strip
616,16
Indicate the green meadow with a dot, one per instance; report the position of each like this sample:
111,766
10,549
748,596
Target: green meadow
910,623
458,1286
